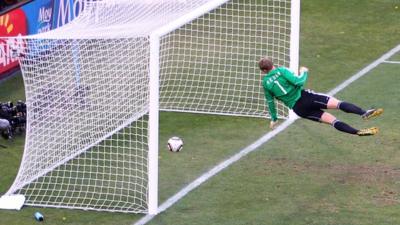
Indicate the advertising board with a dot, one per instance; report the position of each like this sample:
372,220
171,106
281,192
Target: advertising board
32,18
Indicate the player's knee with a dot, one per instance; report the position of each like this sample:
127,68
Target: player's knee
327,118
333,103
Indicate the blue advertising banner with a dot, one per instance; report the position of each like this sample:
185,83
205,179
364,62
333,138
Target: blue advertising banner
65,11
39,16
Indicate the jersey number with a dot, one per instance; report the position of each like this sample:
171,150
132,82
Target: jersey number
280,87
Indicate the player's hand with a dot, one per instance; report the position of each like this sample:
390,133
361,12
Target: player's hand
303,69
273,124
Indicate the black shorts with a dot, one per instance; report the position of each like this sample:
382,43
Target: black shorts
310,105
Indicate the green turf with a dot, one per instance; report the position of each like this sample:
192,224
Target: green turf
395,58
309,174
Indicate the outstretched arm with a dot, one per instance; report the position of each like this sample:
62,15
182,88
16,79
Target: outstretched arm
272,109
297,80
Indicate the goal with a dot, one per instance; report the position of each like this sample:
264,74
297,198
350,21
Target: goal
94,89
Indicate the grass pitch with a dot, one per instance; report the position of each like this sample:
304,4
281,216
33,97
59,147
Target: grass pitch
310,173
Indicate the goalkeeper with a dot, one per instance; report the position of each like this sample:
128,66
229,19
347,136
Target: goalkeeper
284,85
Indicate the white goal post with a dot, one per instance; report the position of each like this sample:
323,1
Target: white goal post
94,89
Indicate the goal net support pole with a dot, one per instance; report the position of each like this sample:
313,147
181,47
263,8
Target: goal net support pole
294,35
154,121
294,43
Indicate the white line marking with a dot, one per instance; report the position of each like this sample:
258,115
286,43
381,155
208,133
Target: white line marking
223,165
392,62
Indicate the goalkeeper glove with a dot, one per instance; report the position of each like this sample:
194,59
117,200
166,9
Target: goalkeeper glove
303,69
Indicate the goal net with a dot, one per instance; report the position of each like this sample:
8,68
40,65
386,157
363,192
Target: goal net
94,88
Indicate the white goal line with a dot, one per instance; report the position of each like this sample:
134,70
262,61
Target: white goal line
254,146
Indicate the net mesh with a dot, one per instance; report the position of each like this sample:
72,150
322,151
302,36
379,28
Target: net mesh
210,65
87,91
87,124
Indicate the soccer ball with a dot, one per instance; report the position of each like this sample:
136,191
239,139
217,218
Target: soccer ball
175,144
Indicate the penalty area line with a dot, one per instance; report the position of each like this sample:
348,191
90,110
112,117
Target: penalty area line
365,70
391,62
223,165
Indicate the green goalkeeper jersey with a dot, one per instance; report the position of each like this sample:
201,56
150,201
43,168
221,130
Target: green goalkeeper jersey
282,84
